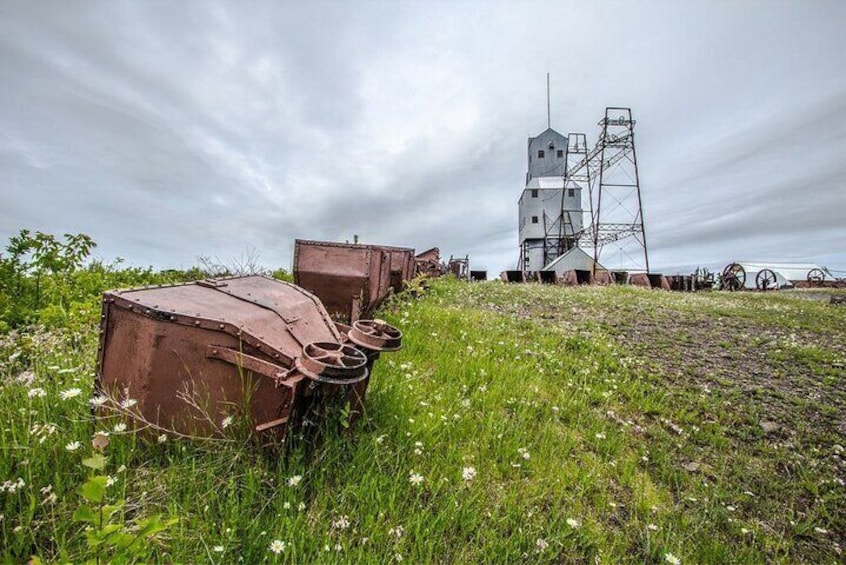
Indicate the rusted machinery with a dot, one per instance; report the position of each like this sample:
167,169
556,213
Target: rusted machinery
429,263
459,266
349,278
477,276
186,357
733,277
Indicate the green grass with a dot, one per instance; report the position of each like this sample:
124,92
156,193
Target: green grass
603,424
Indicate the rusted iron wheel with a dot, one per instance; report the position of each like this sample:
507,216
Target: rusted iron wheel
332,363
376,335
734,277
766,280
816,277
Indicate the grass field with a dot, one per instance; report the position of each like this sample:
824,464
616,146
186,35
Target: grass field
520,423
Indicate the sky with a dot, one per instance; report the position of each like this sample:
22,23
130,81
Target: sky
171,131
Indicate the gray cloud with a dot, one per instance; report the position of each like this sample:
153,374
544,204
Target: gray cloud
169,131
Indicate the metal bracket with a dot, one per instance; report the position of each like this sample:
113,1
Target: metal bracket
271,424
212,283
254,364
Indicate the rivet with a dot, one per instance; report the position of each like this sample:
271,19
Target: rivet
221,326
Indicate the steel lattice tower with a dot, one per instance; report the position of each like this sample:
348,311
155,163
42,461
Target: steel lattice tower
616,231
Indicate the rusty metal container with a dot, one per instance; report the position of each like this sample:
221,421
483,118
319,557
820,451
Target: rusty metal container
513,276
640,279
603,278
191,355
349,278
658,281
402,264
477,276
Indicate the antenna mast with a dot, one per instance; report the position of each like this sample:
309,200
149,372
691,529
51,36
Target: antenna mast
548,113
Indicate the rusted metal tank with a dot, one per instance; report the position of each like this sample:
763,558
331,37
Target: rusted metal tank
191,355
349,278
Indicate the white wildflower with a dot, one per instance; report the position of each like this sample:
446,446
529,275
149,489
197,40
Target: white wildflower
524,453
295,480
541,544
98,400
128,403
73,446
70,393
277,546
27,377
415,478
110,480
672,559
218,549
396,532
820,530
36,393
301,506
652,527
468,473
381,438
600,435
226,422
573,523
162,438
342,523
120,427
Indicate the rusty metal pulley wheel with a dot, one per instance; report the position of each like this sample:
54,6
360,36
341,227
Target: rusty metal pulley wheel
734,277
376,335
332,363
816,277
766,280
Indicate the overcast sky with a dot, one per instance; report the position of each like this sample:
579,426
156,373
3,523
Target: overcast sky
173,130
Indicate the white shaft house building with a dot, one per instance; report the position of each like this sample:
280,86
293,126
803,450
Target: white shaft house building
550,217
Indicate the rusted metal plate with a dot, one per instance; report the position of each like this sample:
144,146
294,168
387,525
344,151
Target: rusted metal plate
191,355
350,279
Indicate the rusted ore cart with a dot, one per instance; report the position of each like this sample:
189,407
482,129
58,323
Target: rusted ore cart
192,354
350,278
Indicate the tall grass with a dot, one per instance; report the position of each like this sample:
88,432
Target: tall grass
518,424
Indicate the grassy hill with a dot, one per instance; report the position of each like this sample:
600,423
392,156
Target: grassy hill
520,423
